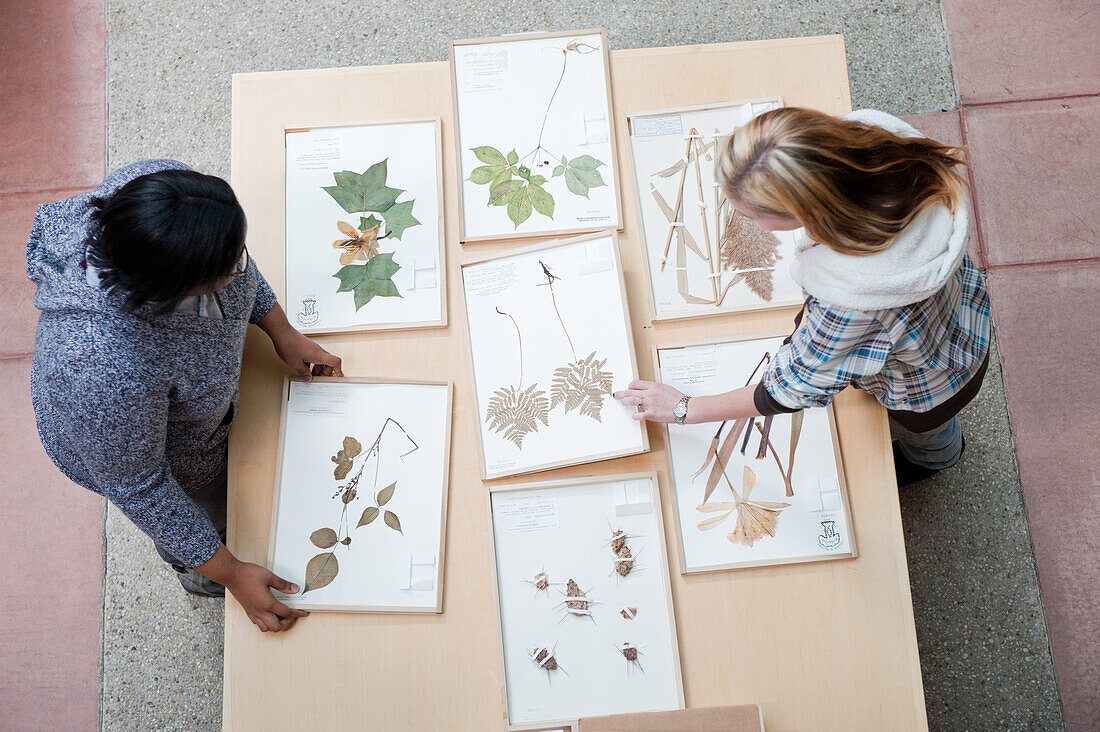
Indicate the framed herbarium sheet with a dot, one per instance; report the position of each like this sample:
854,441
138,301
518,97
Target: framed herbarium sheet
536,147
360,507
751,492
583,599
364,227
702,256
549,337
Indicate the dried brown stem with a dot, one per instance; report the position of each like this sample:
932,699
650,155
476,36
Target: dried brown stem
766,442
519,338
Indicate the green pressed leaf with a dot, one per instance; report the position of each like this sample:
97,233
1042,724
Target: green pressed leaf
558,170
386,494
370,513
505,175
519,207
524,172
391,520
483,174
590,178
537,180
366,223
399,217
575,184
584,162
323,538
542,201
513,157
490,155
352,446
367,191
502,194
370,280
320,571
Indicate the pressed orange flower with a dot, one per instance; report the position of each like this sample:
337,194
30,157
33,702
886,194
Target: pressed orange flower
755,519
359,245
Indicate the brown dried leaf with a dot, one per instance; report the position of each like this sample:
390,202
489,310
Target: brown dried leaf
386,494
349,496
320,571
712,450
323,538
713,521
723,456
796,432
391,520
352,447
343,466
715,507
370,513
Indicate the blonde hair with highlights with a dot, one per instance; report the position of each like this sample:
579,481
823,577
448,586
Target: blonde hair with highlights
853,186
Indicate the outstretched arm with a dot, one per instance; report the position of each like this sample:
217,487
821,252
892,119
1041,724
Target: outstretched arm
657,400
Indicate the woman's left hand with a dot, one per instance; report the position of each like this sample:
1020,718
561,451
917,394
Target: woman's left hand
655,400
305,356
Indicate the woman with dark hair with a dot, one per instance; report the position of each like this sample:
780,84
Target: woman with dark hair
146,292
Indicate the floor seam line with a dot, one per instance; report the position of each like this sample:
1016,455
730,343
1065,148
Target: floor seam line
1054,98
1019,265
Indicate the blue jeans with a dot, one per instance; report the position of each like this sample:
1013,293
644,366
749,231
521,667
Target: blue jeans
936,449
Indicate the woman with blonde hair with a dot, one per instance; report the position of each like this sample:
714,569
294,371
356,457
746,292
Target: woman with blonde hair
894,305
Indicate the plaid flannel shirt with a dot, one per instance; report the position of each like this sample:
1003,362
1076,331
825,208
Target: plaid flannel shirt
911,358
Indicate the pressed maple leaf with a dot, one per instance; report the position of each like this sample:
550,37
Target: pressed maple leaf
358,245
581,385
745,246
517,412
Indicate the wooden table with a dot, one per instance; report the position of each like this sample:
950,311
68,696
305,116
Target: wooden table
819,646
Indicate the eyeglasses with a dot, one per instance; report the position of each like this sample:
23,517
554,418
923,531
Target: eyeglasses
239,270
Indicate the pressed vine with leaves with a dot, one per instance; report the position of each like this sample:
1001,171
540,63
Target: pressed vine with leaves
517,184
322,569
367,193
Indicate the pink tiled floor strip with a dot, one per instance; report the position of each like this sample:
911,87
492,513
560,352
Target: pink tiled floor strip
1028,76
52,83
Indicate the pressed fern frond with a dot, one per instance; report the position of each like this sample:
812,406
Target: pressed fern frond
581,385
745,246
517,412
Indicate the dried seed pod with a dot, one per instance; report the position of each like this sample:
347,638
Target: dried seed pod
625,562
572,589
550,664
629,613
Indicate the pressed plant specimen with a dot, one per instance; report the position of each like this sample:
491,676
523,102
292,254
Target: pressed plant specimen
623,557
629,613
541,582
581,384
721,449
545,658
755,519
367,195
322,569
577,602
631,652
516,411
516,183
734,248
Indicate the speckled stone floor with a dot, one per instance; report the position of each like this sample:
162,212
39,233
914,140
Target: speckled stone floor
984,648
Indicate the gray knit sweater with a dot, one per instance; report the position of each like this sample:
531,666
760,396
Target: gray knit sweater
135,406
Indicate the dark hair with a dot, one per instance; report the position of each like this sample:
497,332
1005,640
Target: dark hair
164,234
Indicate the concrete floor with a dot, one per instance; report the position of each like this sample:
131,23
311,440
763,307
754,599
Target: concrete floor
983,642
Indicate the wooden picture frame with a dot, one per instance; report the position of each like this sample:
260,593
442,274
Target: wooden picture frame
612,164
437,606
441,250
487,473
661,566
685,567
649,249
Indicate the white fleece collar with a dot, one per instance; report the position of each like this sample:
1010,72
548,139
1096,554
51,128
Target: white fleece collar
915,266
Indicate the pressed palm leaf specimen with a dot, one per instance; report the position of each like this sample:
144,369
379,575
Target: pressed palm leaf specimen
367,193
514,182
755,519
581,384
516,411
322,569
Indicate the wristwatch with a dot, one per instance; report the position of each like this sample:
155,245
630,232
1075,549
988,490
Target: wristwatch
680,411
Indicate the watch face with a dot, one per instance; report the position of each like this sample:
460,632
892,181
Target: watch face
679,410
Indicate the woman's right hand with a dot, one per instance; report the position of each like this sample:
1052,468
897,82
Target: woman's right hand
251,586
